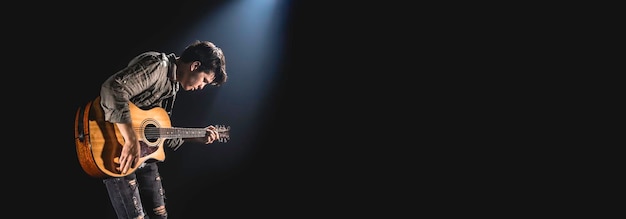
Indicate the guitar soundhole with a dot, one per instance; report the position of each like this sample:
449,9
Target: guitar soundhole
151,133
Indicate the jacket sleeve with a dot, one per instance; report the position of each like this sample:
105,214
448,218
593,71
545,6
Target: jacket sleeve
173,143
119,88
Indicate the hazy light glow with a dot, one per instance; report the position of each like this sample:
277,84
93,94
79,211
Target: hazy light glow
252,36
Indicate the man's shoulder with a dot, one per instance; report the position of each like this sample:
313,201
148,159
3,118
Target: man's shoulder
151,54
148,57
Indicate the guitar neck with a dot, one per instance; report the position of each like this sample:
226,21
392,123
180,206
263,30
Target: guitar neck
181,132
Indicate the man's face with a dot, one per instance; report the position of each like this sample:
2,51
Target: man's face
193,79
196,80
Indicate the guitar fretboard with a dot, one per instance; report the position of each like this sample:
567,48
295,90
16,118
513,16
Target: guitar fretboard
180,132
174,132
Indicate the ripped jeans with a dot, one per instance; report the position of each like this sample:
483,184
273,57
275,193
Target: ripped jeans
131,195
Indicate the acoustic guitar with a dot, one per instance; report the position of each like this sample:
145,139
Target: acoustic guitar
99,143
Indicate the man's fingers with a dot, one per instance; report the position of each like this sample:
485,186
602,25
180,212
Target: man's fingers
126,163
214,134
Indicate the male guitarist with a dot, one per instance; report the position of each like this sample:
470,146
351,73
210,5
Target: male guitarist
151,80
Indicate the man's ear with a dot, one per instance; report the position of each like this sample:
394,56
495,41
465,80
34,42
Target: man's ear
195,65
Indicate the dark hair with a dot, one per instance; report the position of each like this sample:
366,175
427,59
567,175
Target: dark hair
211,58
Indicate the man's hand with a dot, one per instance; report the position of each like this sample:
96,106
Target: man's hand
129,156
131,150
211,135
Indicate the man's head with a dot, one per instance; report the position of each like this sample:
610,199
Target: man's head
201,63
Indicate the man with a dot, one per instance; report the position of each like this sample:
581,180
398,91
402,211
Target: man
150,80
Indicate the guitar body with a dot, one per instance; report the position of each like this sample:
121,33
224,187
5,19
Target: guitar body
99,143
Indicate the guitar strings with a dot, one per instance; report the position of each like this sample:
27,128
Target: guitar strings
154,132
180,132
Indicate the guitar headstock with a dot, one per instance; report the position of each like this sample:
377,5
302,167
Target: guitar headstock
224,132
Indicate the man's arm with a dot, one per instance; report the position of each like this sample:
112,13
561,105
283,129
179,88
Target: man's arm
131,150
